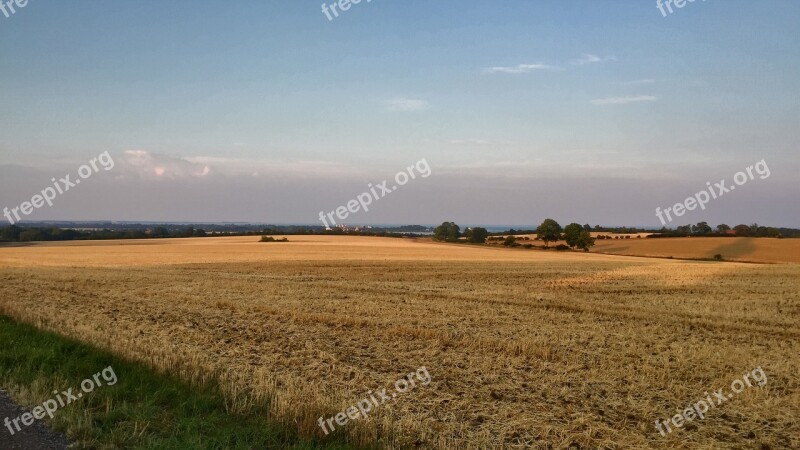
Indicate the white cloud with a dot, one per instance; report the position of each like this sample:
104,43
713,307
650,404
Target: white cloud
624,100
587,58
521,68
143,164
407,104
277,168
146,164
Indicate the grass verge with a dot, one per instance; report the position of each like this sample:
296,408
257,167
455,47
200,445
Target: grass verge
143,410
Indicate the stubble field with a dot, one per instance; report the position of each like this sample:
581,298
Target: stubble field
526,349
760,250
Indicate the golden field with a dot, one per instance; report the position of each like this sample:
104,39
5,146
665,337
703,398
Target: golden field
739,249
761,250
526,348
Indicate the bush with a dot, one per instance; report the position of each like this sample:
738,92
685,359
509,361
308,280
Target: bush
272,239
718,257
476,235
562,247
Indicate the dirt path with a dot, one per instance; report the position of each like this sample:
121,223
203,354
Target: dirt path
34,437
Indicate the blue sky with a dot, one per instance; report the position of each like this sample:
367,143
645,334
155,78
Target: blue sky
524,109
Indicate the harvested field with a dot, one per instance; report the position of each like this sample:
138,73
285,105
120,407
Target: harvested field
526,349
760,250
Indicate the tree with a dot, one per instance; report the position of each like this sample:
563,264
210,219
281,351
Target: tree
30,234
773,232
572,233
584,241
742,230
549,231
160,232
10,233
476,235
510,241
723,228
702,229
587,227
447,231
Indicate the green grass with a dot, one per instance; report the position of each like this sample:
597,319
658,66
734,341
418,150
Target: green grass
143,410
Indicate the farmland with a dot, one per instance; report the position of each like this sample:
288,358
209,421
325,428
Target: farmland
740,249
525,348
732,249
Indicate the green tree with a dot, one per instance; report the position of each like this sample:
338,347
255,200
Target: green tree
742,230
160,232
701,229
572,233
584,241
31,234
723,228
549,231
447,231
476,235
10,233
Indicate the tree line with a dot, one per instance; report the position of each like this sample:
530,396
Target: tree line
741,230
576,236
15,233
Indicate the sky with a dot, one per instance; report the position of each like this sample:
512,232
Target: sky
269,112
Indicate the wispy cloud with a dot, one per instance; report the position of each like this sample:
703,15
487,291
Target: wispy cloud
407,104
147,164
154,166
235,167
587,58
624,100
521,68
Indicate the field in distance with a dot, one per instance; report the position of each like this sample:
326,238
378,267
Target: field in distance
525,348
742,249
761,250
